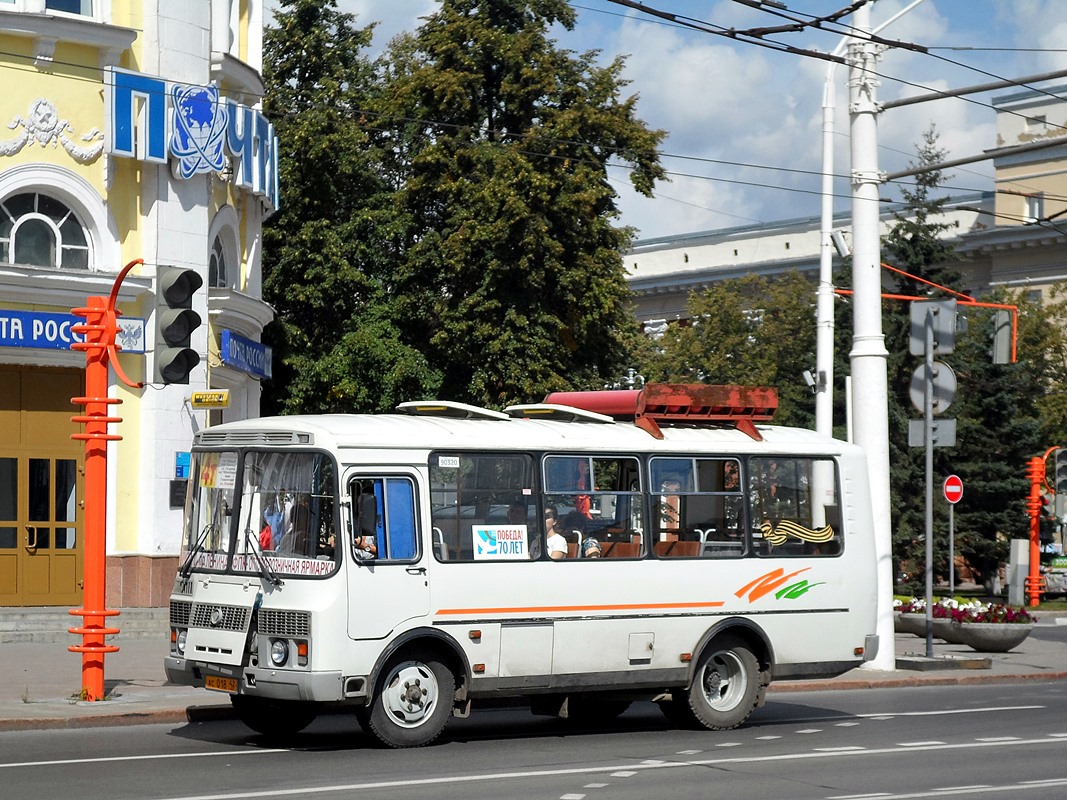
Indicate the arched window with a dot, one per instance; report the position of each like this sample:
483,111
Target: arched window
40,231
216,271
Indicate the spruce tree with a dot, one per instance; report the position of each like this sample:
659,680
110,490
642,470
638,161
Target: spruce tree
511,278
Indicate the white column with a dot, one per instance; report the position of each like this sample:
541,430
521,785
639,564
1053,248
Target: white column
868,355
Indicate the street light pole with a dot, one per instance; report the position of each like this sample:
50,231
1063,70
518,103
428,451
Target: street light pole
824,297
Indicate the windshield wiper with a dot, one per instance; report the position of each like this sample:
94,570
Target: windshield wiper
187,566
264,568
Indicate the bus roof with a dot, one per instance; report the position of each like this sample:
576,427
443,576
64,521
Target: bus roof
438,432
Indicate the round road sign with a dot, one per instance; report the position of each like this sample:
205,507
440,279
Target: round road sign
953,489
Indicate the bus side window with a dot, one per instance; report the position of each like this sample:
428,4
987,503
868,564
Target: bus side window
795,506
391,511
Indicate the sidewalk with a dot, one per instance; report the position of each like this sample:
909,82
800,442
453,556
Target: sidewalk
39,683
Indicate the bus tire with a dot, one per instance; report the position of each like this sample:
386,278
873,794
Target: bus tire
413,701
726,684
276,719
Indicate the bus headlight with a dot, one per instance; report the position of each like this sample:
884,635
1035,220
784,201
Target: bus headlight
279,652
179,642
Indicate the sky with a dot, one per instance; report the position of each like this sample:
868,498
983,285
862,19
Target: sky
744,122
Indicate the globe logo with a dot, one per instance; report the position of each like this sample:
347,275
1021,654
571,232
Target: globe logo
199,130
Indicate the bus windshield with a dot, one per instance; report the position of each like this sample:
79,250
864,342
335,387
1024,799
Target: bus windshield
265,511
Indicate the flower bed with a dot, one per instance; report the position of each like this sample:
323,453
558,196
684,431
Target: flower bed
968,611
986,627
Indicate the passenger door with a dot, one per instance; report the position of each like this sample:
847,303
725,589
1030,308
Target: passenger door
40,530
392,587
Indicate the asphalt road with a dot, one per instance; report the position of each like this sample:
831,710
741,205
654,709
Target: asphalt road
961,741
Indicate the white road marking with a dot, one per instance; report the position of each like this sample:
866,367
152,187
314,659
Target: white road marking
596,785
626,772
153,757
929,743
844,749
998,738
966,791
961,788
990,709
806,731
572,797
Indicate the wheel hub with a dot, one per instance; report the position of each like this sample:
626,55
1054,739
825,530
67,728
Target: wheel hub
411,693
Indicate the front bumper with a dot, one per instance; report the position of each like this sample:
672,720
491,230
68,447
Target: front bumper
276,684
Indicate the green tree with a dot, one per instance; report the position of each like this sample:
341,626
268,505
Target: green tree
510,277
329,250
996,407
752,331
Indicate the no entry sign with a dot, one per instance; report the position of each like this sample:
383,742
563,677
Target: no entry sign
953,489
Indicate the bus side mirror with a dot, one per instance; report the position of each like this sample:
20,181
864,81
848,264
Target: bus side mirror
367,514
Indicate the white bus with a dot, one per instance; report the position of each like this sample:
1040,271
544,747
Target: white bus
409,565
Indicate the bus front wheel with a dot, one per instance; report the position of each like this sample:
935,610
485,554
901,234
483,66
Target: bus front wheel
413,701
725,686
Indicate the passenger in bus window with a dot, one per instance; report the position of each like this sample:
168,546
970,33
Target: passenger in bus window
366,547
591,548
731,481
583,503
274,517
554,541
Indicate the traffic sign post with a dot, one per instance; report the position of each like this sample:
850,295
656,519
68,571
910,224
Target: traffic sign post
953,490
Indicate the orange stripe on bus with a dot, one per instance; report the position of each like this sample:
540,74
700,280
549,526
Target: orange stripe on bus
614,607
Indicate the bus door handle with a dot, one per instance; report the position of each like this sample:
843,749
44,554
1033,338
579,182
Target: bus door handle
31,537
416,570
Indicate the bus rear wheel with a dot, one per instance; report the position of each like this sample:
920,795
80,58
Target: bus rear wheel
725,686
277,719
413,701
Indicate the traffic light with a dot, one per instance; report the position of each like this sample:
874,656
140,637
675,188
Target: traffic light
1059,480
175,323
1047,520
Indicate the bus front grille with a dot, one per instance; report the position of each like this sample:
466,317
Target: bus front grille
179,613
291,624
225,618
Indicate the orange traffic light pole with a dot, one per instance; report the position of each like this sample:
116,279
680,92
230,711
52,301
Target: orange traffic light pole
99,329
1035,471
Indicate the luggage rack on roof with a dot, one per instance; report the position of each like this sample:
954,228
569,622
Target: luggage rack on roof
448,408
674,403
557,413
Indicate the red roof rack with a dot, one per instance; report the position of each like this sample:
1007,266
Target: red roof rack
740,406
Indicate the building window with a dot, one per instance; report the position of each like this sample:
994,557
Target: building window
216,271
1035,207
82,7
39,231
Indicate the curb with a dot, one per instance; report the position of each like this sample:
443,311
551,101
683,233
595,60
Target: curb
955,679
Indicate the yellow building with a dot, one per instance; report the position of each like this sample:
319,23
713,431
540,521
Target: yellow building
129,129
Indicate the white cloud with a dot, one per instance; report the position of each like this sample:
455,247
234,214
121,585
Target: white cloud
739,103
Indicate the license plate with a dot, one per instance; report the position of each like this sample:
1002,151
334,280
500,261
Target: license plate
220,684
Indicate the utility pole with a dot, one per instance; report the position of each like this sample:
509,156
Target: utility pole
824,315
869,356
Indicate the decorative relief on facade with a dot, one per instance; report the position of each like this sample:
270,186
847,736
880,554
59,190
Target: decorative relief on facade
200,130
43,125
